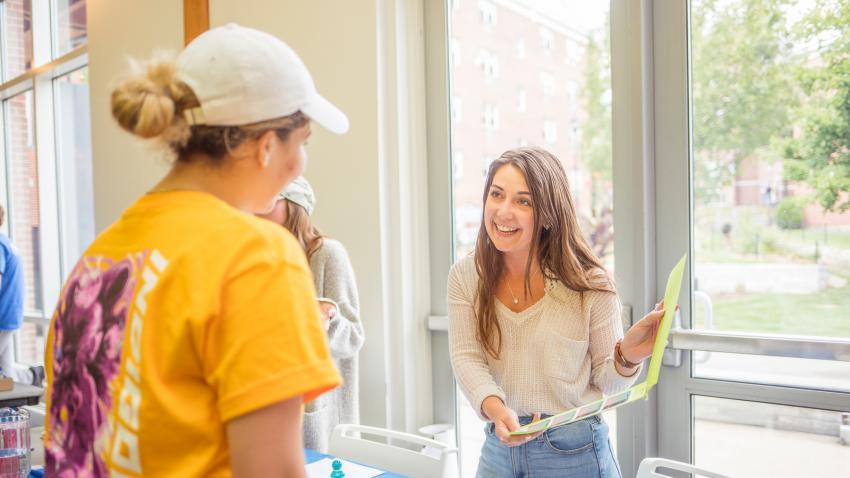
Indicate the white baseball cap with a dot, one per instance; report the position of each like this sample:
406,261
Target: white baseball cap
301,193
242,76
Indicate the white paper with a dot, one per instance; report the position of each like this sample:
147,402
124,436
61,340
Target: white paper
323,469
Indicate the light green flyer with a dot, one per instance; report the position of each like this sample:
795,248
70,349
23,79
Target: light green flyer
671,298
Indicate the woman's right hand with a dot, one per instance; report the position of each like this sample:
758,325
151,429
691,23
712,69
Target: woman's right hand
505,420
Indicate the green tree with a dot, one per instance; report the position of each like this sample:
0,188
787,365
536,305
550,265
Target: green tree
596,96
596,139
740,85
819,154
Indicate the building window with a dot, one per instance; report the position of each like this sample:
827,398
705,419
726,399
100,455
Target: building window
489,64
520,49
521,101
491,117
16,39
572,93
485,163
550,132
69,26
457,165
25,207
573,51
575,135
547,82
547,40
455,52
457,109
488,13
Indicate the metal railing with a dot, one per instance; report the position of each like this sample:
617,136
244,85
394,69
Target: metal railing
772,345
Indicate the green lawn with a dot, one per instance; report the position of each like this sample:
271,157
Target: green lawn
838,238
826,313
775,245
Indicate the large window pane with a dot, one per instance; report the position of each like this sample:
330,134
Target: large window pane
771,126
791,442
64,29
73,149
16,41
24,210
69,25
529,73
830,375
470,434
536,73
31,339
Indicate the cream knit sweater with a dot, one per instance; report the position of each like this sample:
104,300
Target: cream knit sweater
556,354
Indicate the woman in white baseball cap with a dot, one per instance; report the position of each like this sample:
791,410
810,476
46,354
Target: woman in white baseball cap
187,338
339,303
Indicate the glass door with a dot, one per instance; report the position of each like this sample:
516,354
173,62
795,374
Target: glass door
757,381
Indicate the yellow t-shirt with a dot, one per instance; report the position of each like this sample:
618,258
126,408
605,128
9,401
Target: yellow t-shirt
182,315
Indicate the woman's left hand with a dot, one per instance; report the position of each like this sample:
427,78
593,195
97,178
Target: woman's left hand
328,312
639,340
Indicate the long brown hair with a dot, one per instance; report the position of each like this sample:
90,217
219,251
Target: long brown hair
299,224
558,244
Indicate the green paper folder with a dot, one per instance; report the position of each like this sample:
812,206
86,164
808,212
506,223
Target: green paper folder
641,390
671,296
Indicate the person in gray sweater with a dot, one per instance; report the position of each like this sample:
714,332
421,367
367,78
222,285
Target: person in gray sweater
336,289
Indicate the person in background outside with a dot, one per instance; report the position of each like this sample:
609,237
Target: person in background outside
12,312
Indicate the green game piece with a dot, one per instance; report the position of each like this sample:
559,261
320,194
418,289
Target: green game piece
337,466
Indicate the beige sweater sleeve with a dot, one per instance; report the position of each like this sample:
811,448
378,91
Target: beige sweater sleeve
605,330
467,355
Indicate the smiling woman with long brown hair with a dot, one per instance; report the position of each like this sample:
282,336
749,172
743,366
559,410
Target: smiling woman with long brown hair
534,325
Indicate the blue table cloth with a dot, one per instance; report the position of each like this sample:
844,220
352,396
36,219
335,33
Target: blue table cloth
311,455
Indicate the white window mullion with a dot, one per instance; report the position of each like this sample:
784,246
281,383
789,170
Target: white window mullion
440,201
46,152
4,175
633,182
404,216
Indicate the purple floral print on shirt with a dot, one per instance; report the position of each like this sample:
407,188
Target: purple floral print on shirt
88,334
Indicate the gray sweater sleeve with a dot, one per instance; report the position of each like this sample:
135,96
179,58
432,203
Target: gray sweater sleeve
334,279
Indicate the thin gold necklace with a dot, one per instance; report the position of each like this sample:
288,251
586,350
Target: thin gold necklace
516,301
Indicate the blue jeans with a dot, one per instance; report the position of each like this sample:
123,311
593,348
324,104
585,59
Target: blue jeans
580,449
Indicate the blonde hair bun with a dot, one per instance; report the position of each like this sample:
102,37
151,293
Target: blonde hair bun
150,104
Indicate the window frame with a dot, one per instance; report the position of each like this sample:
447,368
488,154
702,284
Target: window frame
40,79
675,203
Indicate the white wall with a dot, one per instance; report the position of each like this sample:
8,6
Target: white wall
123,167
338,42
